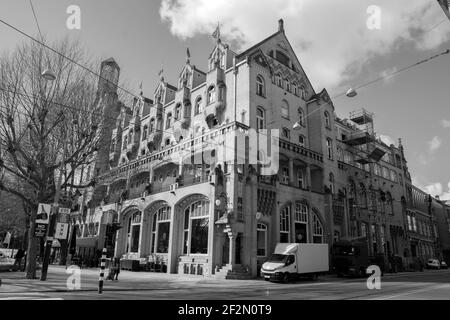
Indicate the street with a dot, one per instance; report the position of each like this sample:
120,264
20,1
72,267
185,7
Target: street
429,284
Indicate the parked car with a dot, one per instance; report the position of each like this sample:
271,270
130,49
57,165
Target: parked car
433,264
444,265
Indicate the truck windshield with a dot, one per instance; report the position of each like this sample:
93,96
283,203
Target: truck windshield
344,250
281,258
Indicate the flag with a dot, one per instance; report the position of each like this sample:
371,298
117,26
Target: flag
7,238
161,72
216,34
188,53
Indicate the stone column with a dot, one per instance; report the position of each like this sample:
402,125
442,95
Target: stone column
291,172
232,252
308,177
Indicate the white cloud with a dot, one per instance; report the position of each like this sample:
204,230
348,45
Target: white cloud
434,144
330,37
436,189
387,139
445,123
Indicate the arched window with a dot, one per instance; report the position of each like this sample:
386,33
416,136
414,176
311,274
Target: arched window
303,93
285,133
288,86
152,125
167,142
301,222
279,80
134,229
261,240
301,140
178,111
169,120
196,226
285,109
285,224
260,86
330,148
327,120
161,230
295,88
301,116
130,137
144,133
260,118
317,229
198,106
211,97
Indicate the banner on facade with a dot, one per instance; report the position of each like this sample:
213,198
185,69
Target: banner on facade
43,213
61,231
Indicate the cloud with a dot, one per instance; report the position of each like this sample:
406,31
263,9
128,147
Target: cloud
445,123
434,144
387,139
331,38
436,189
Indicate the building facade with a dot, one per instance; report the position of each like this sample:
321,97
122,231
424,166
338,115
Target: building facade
180,174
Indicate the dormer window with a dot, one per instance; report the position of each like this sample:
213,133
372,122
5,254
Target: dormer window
211,94
295,87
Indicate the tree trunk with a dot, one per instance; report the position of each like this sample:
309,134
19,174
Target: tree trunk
32,249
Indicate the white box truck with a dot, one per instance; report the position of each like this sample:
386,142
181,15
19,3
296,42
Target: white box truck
293,260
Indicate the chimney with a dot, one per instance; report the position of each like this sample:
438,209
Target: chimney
281,25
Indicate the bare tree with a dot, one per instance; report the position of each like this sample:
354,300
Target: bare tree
46,125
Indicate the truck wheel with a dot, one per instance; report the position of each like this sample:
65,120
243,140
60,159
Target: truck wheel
286,278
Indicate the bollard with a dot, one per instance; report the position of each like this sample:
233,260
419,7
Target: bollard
102,271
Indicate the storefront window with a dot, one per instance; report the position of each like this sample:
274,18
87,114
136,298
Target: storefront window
196,228
284,225
161,230
163,237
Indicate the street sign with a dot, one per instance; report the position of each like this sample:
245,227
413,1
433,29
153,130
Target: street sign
61,231
64,210
43,213
40,230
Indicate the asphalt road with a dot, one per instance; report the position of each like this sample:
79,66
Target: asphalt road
404,286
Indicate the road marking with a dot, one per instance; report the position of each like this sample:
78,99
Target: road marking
412,292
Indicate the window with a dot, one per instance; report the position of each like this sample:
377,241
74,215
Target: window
285,109
222,92
260,86
301,179
317,230
261,240
211,97
332,185
130,137
301,116
295,89
303,93
260,119
301,140
161,230
285,133
198,106
279,80
285,224
285,175
327,120
144,133
196,226
125,143
178,111
301,222
288,86
152,125
330,148
134,229
169,120
409,223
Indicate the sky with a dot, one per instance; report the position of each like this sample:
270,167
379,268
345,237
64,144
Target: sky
340,44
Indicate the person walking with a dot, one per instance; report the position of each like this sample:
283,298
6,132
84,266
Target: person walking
18,258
